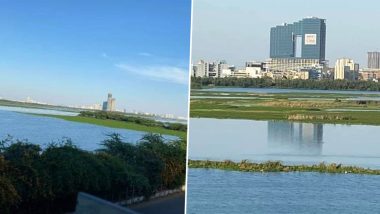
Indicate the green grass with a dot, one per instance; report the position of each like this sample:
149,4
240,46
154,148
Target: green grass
119,124
277,166
301,107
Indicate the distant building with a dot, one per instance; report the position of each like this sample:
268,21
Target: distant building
305,39
110,104
346,69
104,107
92,107
374,60
254,69
226,72
209,69
215,68
298,46
370,74
201,69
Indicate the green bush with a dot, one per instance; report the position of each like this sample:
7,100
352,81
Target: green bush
36,180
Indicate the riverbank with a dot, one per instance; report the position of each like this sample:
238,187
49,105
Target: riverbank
118,124
310,107
277,166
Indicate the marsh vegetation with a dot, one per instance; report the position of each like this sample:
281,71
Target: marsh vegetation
303,107
277,166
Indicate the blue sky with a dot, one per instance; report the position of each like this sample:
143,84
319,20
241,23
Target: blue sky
238,30
75,52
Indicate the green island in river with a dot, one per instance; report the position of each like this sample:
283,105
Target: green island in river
113,123
277,166
335,108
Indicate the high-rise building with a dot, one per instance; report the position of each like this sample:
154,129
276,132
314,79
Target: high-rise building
104,106
305,39
296,46
346,69
216,68
110,104
201,69
374,60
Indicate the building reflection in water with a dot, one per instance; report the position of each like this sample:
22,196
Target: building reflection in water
294,138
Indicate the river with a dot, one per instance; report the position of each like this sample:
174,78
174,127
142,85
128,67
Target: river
44,130
290,142
225,192
221,191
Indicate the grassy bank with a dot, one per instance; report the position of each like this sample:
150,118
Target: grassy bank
303,107
120,124
276,166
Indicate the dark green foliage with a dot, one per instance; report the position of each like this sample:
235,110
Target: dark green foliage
324,84
36,180
138,120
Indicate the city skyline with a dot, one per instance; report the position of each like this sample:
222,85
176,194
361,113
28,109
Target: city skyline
244,36
73,53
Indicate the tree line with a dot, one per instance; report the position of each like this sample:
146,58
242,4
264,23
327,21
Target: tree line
324,84
37,180
138,120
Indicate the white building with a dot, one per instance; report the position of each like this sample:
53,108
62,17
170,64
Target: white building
346,69
218,67
254,69
201,69
253,72
226,73
209,69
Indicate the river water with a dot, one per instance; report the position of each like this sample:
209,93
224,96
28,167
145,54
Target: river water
219,191
290,142
225,192
43,130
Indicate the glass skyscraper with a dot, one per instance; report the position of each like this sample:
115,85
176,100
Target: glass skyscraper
299,47
305,39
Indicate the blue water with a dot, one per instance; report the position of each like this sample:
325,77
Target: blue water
43,130
218,191
289,142
37,111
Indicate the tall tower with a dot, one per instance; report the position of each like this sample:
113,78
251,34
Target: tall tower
343,68
305,39
298,46
109,102
374,60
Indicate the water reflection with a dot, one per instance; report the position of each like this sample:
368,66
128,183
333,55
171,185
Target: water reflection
293,138
289,142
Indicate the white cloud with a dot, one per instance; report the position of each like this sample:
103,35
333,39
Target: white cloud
145,54
158,73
